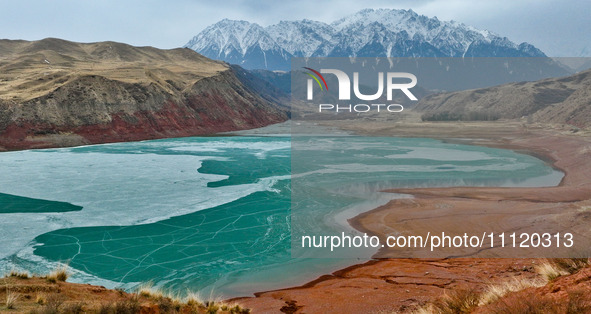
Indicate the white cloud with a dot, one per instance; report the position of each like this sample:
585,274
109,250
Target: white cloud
558,27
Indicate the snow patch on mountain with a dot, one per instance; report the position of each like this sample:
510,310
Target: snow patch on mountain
369,32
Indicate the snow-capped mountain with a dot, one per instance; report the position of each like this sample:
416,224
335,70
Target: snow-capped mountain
367,33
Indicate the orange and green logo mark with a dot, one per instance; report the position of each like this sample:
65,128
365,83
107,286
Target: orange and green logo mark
316,79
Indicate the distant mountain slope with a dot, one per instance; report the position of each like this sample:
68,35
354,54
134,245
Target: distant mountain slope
55,93
367,33
555,100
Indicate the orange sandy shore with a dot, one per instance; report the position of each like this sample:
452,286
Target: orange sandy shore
389,284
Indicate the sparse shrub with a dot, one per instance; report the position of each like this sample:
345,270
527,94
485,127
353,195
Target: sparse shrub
11,299
53,302
41,299
212,307
570,265
59,274
73,308
194,300
531,304
457,301
550,271
148,291
237,309
19,274
495,292
578,303
127,306
106,308
165,305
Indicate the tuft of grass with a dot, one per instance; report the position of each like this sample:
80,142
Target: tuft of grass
73,308
570,265
194,300
532,304
19,274
550,271
41,299
147,290
59,274
165,305
130,306
424,310
212,308
237,309
495,292
456,302
127,306
11,299
53,303
106,308
578,303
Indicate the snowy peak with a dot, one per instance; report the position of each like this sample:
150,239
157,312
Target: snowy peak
301,38
228,35
240,42
367,33
389,18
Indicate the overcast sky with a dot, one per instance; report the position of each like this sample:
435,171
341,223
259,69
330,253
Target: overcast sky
557,27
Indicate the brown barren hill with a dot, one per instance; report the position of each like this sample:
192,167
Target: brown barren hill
565,100
60,93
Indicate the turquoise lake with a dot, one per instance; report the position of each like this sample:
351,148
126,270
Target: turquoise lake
212,214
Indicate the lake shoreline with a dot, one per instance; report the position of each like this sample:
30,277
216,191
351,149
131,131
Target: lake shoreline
564,151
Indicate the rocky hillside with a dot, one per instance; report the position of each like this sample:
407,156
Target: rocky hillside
58,93
565,100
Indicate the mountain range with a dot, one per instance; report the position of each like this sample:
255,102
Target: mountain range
562,100
367,33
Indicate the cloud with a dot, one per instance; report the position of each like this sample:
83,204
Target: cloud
556,26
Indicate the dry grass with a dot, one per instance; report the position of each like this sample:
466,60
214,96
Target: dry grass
499,298
466,300
533,304
212,308
19,274
127,306
148,290
73,308
455,302
194,300
556,267
41,299
235,309
570,265
53,305
11,298
25,75
37,297
59,274
578,303
497,291
550,271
